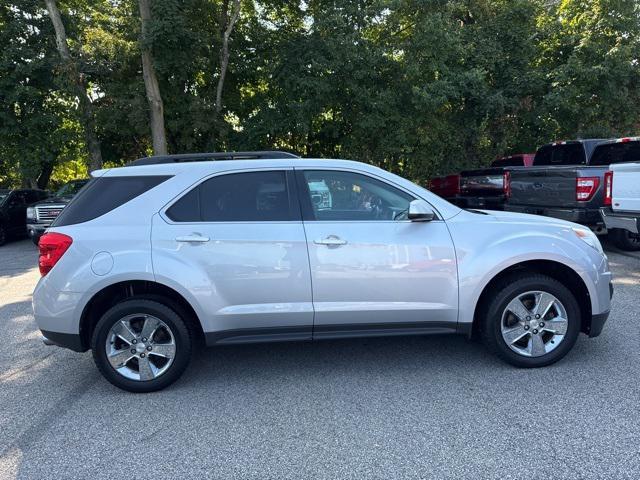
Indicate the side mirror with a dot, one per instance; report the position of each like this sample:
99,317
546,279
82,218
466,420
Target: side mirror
420,211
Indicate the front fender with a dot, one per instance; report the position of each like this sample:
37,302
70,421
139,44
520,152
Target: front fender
486,252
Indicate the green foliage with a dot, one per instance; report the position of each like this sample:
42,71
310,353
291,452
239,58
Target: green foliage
420,87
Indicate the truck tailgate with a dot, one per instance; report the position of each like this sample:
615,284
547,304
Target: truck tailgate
544,186
487,181
626,187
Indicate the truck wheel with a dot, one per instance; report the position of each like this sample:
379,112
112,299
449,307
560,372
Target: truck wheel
532,321
625,240
35,239
141,345
3,235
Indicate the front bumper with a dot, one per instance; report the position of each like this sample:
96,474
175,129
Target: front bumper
597,324
36,229
625,221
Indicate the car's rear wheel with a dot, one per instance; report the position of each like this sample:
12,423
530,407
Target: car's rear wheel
624,239
141,345
532,321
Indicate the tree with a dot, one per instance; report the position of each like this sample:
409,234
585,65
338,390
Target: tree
78,86
156,106
34,126
228,19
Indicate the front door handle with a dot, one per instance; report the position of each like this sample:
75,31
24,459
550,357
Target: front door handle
331,241
192,239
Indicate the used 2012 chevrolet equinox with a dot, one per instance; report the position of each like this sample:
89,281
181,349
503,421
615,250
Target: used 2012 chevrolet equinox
150,259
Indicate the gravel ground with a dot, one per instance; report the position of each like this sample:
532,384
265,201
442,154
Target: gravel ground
415,407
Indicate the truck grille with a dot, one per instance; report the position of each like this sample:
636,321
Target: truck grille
48,213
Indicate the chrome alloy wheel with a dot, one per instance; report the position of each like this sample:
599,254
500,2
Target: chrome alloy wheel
140,347
534,323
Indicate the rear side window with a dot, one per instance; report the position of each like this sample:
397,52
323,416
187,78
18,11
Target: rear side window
237,197
622,152
508,162
101,195
569,154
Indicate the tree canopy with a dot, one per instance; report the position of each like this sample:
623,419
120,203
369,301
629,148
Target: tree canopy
420,87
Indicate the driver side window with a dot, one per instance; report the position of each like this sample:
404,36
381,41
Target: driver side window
346,196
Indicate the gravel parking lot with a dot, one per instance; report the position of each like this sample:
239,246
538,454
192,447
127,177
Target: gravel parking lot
427,407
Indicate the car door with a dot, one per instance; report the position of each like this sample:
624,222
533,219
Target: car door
373,271
236,244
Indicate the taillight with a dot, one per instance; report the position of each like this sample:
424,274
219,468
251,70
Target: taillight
453,183
608,188
52,247
586,187
506,183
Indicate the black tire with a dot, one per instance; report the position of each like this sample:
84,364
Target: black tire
179,328
625,240
506,291
35,239
4,235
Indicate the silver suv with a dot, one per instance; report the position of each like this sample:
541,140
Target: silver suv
152,259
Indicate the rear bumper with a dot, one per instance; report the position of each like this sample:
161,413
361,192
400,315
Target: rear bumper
65,340
584,216
625,221
482,202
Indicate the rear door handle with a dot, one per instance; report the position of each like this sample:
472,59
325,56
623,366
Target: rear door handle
192,239
331,241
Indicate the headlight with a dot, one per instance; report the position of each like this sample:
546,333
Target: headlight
590,238
31,213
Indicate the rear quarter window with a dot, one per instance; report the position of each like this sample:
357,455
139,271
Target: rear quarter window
104,194
621,152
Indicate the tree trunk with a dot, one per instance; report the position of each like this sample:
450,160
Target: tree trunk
227,22
79,87
46,169
156,106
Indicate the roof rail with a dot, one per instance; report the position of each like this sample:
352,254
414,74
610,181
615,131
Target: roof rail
207,157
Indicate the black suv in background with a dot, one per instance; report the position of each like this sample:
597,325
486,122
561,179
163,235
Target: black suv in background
40,215
13,207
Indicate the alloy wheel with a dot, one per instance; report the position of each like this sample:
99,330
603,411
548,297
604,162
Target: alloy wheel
140,347
534,323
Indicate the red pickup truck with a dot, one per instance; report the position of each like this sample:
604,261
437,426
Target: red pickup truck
483,188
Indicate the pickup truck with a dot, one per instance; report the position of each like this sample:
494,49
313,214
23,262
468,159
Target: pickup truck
565,181
488,188
41,214
621,213
447,187
13,204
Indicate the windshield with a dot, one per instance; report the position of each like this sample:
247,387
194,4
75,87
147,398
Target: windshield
71,188
3,195
567,154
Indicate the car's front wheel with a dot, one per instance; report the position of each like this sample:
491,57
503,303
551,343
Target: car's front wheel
532,321
141,345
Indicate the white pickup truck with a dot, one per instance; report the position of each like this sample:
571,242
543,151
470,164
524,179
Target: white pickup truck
621,213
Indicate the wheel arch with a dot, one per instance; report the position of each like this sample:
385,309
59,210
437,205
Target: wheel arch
114,293
551,268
